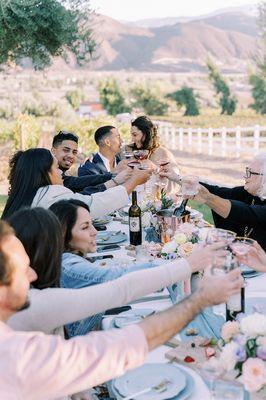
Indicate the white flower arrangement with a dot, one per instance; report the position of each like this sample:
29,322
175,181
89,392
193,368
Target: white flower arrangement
182,243
245,350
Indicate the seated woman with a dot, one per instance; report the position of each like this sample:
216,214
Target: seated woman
36,180
52,307
144,135
77,271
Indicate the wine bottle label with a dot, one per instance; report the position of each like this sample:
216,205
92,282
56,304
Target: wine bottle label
134,224
234,302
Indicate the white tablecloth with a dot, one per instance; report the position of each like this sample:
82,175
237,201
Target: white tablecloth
255,287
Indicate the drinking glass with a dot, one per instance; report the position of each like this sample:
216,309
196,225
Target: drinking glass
126,152
217,235
160,180
189,185
141,154
241,245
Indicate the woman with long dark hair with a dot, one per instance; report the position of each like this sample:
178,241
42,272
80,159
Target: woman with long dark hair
145,136
36,180
77,271
52,307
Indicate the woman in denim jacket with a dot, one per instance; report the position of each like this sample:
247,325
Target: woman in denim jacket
77,271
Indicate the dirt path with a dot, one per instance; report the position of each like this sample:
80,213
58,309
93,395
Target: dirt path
225,171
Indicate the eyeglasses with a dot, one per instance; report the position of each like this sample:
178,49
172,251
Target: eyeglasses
249,173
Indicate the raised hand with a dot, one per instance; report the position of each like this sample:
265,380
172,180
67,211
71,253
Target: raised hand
254,258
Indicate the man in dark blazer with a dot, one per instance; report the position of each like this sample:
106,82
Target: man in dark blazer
106,160
65,149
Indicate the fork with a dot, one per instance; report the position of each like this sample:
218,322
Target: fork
161,387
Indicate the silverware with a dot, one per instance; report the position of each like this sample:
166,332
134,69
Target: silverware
151,298
161,387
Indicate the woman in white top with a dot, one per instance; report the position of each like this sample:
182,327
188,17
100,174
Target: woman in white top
36,180
52,307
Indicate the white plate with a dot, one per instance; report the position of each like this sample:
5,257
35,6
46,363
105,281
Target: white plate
151,375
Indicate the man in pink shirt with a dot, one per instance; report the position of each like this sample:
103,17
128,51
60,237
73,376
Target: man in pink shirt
34,366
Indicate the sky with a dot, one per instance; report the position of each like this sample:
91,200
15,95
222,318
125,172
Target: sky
131,10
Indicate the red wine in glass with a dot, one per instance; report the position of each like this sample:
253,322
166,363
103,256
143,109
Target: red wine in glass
141,154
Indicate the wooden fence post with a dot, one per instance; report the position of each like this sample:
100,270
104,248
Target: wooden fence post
210,141
256,138
223,136
238,141
199,144
189,137
181,138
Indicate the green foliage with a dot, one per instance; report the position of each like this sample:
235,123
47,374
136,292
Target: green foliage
26,132
74,97
227,101
41,29
148,100
40,109
185,97
258,84
112,98
167,202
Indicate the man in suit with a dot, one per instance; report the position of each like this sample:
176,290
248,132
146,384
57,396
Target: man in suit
106,160
65,149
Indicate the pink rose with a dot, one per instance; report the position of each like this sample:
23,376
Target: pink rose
261,341
230,329
254,374
185,249
187,229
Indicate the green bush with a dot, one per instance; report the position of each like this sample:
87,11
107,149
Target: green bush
185,97
112,98
149,100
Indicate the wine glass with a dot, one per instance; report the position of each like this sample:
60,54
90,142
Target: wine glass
126,152
141,154
161,181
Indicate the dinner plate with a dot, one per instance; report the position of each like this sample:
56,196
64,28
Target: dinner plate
110,237
102,221
151,375
131,317
123,211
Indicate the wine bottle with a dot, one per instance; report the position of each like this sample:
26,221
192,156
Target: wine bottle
180,211
135,236
235,305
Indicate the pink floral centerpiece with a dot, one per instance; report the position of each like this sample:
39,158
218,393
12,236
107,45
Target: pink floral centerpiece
183,242
245,350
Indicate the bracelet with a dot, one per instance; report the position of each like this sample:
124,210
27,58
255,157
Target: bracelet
115,181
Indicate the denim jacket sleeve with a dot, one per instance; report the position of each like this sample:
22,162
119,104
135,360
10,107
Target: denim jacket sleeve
78,272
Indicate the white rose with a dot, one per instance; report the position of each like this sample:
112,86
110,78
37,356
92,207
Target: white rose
180,238
146,219
228,356
253,325
169,247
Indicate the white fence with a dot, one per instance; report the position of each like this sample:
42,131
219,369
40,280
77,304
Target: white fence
224,142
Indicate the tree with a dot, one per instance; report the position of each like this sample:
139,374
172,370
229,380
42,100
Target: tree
258,84
226,100
42,29
148,100
111,97
185,97
258,80
74,97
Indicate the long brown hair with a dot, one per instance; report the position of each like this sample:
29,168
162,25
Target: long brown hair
150,131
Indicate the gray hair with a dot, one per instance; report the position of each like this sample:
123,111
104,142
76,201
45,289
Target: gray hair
262,160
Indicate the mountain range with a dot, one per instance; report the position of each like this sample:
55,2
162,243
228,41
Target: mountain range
228,37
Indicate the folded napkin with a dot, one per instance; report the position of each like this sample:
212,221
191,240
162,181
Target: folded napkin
207,324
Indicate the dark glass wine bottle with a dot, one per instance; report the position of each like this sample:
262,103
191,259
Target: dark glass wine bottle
235,305
134,213
181,210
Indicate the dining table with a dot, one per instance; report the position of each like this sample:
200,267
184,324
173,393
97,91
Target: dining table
254,289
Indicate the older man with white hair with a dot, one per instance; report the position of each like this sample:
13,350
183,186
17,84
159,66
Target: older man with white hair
241,209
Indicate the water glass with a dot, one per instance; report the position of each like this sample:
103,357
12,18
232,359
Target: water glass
143,254
190,185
